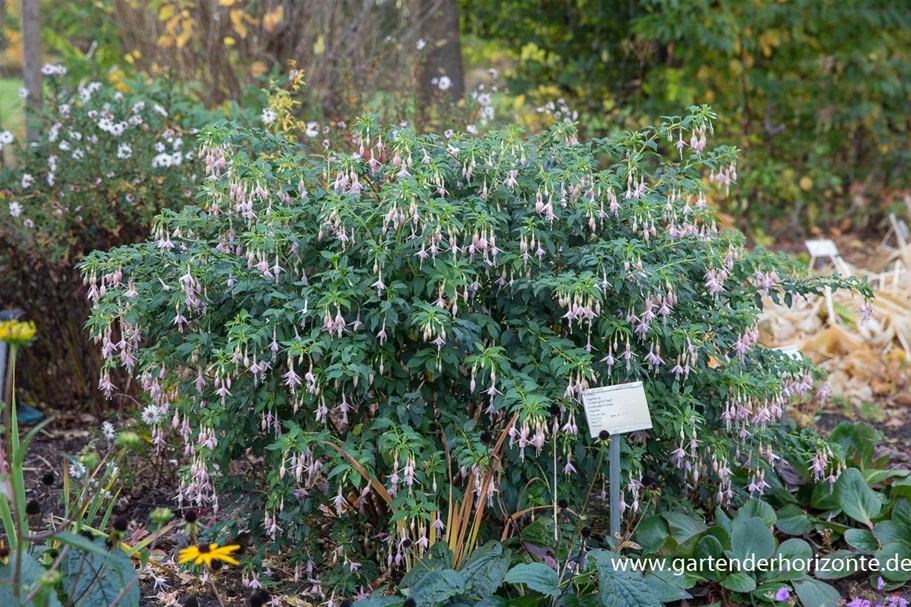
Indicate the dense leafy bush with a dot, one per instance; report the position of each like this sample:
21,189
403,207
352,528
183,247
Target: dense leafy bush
106,164
425,313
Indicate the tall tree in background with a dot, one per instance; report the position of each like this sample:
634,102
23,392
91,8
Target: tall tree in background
440,20
31,65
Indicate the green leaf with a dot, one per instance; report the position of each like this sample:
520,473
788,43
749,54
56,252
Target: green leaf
793,521
682,527
895,562
862,539
438,586
99,578
890,532
536,576
739,582
752,538
855,497
813,593
619,588
664,591
651,534
794,555
485,570
29,575
839,564
377,601
756,508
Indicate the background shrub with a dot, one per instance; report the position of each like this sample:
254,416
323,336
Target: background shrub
106,164
394,312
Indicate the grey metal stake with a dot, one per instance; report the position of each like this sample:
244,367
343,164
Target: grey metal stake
615,484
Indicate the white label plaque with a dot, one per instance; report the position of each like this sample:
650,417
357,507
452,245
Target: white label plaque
822,248
618,409
791,351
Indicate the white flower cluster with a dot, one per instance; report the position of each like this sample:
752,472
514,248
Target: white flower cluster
559,110
50,69
169,151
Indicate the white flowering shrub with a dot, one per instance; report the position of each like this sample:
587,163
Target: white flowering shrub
393,311
106,163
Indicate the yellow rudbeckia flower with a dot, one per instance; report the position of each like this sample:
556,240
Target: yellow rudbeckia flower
204,554
17,331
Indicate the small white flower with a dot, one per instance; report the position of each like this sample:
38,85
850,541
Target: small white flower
23,93
444,83
15,209
6,137
151,415
27,180
268,116
312,129
124,151
161,160
108,429
77,469
53,70
472,129
160,110
78,154
421,44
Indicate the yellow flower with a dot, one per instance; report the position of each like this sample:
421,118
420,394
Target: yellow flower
17,331
4,553
204,554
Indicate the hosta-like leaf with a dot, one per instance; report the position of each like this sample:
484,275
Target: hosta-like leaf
855,497
752,538
438,586
813,593
619,588
536,576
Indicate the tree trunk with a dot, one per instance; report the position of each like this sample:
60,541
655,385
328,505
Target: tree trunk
439,20
31,66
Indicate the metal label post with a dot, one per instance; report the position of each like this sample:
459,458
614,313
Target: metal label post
614,456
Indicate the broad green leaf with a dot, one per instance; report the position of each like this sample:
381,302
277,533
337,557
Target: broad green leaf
739,582
619,588
438,586
682,527
813,593
793,521
536,576
29,575
756,508
485,570
794,556
665,592
862,540
837,565
651,534
752,538
100,578
895,562
855,497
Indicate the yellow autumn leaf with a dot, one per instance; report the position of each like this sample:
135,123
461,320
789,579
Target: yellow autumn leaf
226,2
273,18
166,12
184,37
806,183
319,47
165,41
237,22
229,41
258,68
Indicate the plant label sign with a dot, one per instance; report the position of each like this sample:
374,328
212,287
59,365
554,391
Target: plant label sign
618,409
821,248
791,351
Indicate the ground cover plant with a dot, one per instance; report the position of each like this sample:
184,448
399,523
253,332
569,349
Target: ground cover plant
399,335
